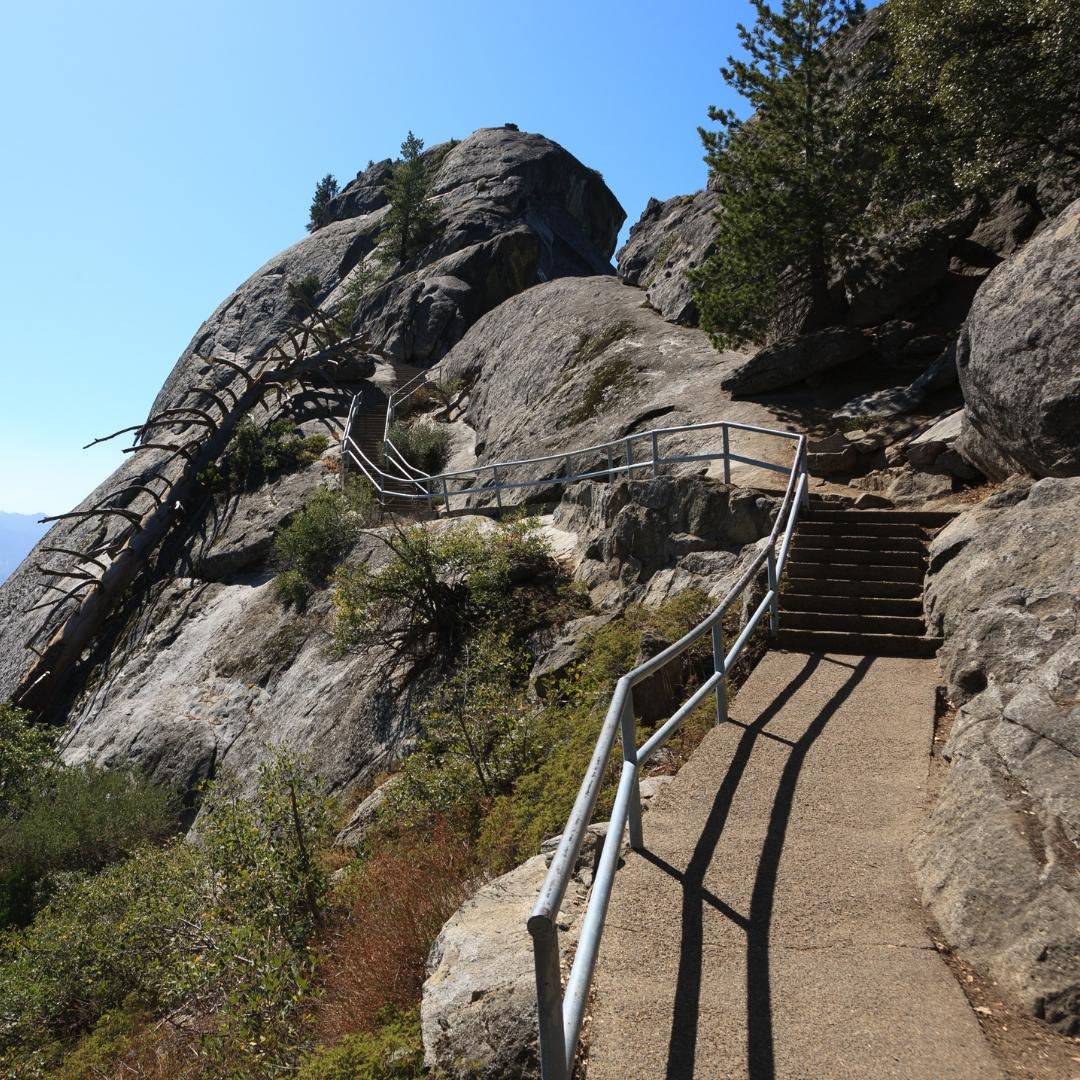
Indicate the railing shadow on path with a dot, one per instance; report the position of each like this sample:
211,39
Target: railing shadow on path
682,1044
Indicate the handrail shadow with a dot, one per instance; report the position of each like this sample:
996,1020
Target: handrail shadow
682,1043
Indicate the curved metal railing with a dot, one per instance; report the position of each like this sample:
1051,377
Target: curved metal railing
398,480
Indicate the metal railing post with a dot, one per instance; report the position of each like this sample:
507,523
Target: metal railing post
774,589
610,461
629,747
803,472
549,999
719,666
498,491
655,455
629,456
727,451
446,495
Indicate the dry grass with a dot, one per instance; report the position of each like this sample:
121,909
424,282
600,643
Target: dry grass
385,918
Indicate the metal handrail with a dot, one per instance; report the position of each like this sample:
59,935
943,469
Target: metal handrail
620,455
561,1012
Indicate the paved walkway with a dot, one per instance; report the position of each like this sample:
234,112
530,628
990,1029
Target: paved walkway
771,929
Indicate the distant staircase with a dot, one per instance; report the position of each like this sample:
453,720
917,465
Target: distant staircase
854,583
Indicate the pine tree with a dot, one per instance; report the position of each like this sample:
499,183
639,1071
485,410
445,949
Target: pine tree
411,218
325,190
787,192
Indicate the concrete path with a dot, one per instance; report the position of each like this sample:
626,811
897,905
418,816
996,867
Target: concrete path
771,929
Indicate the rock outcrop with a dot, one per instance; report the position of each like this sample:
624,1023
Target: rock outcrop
668,240
1018,352
214,673
999,861
579,361
479,1007
515,209
649,539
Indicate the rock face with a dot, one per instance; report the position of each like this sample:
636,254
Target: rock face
1019,354
515,208
669,239
648,539
579,361
886,280
479,1007
999,861
218,672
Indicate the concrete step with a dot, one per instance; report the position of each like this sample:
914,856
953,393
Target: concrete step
811,584
851,571
846,541
850,525
876,556
851,605
866,622
933,519
858,644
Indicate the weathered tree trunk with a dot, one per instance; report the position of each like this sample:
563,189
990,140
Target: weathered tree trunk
48,676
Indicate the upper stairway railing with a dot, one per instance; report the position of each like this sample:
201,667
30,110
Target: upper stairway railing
560,1011
396,479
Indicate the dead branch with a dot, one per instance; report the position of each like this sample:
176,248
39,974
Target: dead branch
235,367
59,600
129,514
187,449
76,554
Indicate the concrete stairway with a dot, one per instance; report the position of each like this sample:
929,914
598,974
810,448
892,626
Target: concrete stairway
854,583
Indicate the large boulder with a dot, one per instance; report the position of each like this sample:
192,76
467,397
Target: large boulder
998,861
478,1014
515,209
669,239
579,361
644,540
1019,354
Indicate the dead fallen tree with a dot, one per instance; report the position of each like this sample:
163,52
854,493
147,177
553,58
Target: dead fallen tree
187,438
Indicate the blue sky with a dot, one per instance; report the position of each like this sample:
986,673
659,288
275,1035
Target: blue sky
157,154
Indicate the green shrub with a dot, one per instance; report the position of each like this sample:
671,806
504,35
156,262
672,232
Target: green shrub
26,753
220,927
425,445
364,277
540,802
292,588
326,190
318,536
440,585
101,938
394,1051
77,820
479,734
256,453
111,1039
